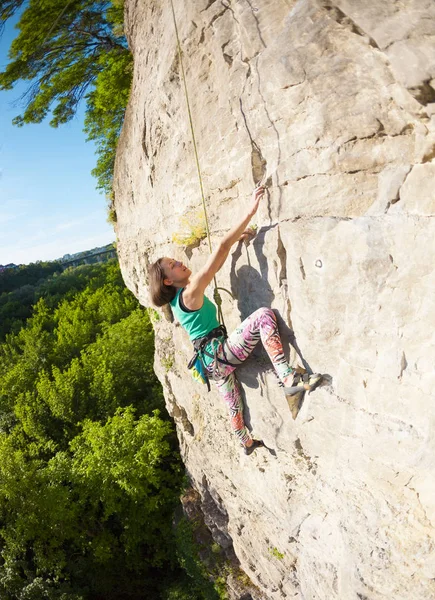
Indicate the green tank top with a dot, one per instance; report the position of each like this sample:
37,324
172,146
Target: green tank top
197,323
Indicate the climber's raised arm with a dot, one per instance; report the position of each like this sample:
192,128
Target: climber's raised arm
234,234
194,291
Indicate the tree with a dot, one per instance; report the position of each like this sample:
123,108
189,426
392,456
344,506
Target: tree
89,469
105,112
12,279
84,358
58,50
94,520
30,283
70,51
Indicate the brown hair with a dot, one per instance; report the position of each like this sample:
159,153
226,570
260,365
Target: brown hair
161,293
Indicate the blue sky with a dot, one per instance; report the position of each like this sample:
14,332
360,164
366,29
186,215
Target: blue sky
48,202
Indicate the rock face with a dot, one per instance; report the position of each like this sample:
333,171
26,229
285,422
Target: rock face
335,101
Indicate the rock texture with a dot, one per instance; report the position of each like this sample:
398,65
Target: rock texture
335,100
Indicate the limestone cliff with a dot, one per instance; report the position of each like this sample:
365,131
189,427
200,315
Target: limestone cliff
335,100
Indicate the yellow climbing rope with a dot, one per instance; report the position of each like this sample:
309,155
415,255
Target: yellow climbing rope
216,296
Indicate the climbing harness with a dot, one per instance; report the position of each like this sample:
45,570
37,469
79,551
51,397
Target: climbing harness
216,295
196,363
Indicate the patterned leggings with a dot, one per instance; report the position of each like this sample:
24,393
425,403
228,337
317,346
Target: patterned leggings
236,349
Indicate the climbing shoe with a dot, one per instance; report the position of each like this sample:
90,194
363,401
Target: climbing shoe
304,383
255,444
295,402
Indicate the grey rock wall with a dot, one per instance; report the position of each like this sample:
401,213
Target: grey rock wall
335,100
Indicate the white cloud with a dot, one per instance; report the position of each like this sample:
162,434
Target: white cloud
48,238
95,215
7,217
11,210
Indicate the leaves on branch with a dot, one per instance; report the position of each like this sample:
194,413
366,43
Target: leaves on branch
71,51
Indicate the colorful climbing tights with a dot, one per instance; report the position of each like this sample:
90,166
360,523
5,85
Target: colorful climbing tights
235,350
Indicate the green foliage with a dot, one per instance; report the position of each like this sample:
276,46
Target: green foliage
70,51
168,361
153,315
104,504
105,112
276,553
111,215
188,556
90,473
29,284
115,369
191,228
89,469
90,355
58,49
129,472
26,275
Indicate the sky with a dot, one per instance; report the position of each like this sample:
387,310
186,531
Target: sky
48,202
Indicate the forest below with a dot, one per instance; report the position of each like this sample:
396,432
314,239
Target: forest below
90,471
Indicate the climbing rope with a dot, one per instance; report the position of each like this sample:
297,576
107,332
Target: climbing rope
59,16
216,295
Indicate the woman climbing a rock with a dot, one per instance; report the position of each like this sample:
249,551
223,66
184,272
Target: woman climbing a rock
173,283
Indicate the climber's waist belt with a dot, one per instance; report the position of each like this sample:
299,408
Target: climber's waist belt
200,344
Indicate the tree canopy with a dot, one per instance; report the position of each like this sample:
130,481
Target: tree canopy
70,51
21,288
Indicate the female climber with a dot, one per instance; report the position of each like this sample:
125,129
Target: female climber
172,282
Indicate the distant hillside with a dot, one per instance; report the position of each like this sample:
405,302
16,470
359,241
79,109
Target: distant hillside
85,257
23,285
89,256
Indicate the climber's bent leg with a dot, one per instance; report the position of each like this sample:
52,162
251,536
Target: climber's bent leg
229,389
260,325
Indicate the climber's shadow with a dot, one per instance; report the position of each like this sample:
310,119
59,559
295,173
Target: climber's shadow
250,287
252,291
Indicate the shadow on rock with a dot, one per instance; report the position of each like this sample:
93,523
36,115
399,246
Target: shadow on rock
250,288
252,291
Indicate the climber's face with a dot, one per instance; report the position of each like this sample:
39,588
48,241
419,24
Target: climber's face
176,273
